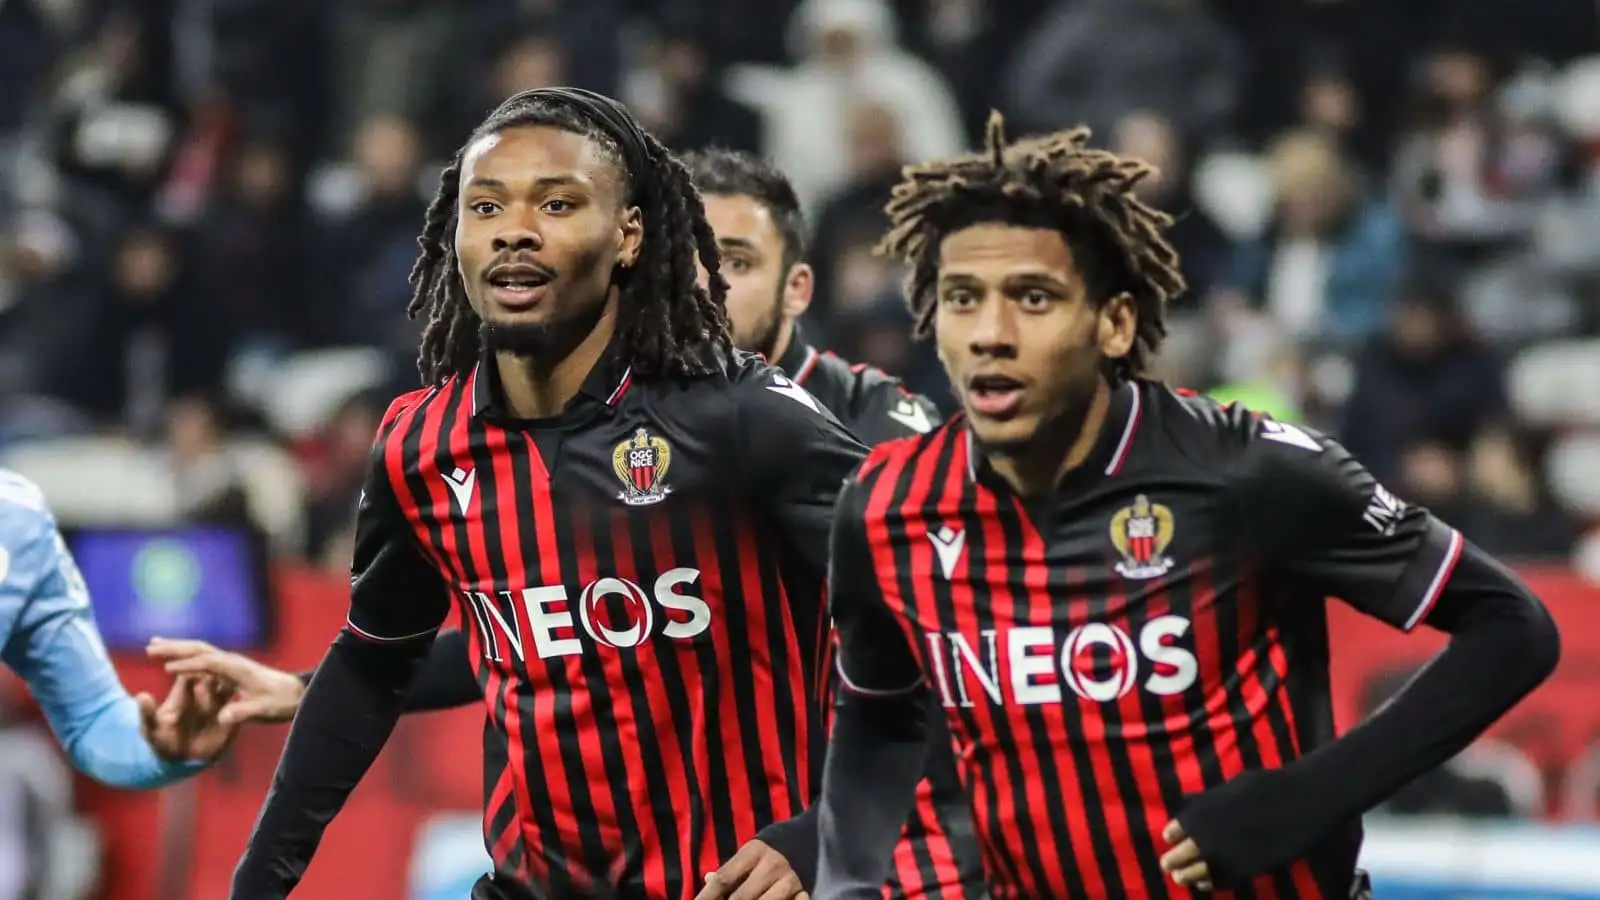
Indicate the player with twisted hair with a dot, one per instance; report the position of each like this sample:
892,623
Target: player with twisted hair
665,321
1053,180
631,515
1116,592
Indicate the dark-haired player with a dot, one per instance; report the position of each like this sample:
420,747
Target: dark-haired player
1116,592
632,515
761,237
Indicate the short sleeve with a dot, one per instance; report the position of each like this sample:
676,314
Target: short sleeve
874,657
795,456
396,592
1315,515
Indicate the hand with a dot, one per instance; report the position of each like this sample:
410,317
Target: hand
1183,861
255,692
185,726
756,872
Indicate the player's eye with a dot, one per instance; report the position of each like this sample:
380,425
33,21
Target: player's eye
1034,300
484,207
960,298
559,205
740,265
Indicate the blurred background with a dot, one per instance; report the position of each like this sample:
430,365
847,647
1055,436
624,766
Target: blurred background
1388,210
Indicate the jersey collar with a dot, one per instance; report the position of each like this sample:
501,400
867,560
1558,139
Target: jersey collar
1107,458
606,384
799,359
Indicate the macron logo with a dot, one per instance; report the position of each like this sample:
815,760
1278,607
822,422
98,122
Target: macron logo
461,483
1384,511
1288,434
786,388
911,414
948,544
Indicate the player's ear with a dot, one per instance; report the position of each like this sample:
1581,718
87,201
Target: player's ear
798,286
1117,326
630,237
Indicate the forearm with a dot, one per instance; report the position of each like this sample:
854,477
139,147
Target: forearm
112,750
446,679
1502,645
344,720
796,840
876,756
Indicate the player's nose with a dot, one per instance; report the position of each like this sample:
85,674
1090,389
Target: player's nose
993,330
517,236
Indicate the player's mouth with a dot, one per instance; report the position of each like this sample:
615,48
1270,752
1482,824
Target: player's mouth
518,286
994,396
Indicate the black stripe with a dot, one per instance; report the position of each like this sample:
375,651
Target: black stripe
1120,750
522,490
1153,706
1040,749
611,780
663,815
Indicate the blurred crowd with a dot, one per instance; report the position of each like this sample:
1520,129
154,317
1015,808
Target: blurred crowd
208,210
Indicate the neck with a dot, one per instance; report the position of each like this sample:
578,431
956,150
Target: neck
1056,450
534,390
781,345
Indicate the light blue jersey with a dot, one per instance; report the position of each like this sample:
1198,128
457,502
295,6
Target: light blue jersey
50,639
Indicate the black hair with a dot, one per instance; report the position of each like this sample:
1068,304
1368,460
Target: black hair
1055,181
734,173
666,323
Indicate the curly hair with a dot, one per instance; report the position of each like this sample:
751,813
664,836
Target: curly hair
1054,181
666,323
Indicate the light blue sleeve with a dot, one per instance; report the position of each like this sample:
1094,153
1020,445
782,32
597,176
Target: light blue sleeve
50,639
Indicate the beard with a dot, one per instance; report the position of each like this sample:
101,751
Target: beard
543,344
763,337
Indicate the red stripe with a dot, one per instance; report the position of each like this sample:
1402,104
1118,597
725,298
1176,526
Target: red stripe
1134,738
727,703
1440,579
673,752
775,758
604,803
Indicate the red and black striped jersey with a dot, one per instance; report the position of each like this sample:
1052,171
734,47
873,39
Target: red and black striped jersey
938,856
642,578
1150,629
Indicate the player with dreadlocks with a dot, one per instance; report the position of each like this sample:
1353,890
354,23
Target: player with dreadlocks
1116,592
632,515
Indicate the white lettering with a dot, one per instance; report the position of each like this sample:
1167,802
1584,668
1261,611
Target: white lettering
967,658
613,612
1032,671
699,610
1097,661
1173,669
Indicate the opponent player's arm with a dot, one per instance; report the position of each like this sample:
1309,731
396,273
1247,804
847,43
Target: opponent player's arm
445,681
397,603
879,747
1318,517
55,646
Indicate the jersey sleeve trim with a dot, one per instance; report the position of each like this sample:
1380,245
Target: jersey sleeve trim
852,687
382,639
1428,574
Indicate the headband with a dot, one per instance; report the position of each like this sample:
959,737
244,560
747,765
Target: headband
612,118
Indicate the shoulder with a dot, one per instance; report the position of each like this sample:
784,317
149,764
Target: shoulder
27,528
870,402
23,511
891,461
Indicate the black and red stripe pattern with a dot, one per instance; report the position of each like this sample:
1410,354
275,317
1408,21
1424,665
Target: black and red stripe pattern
648,669
1104,654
